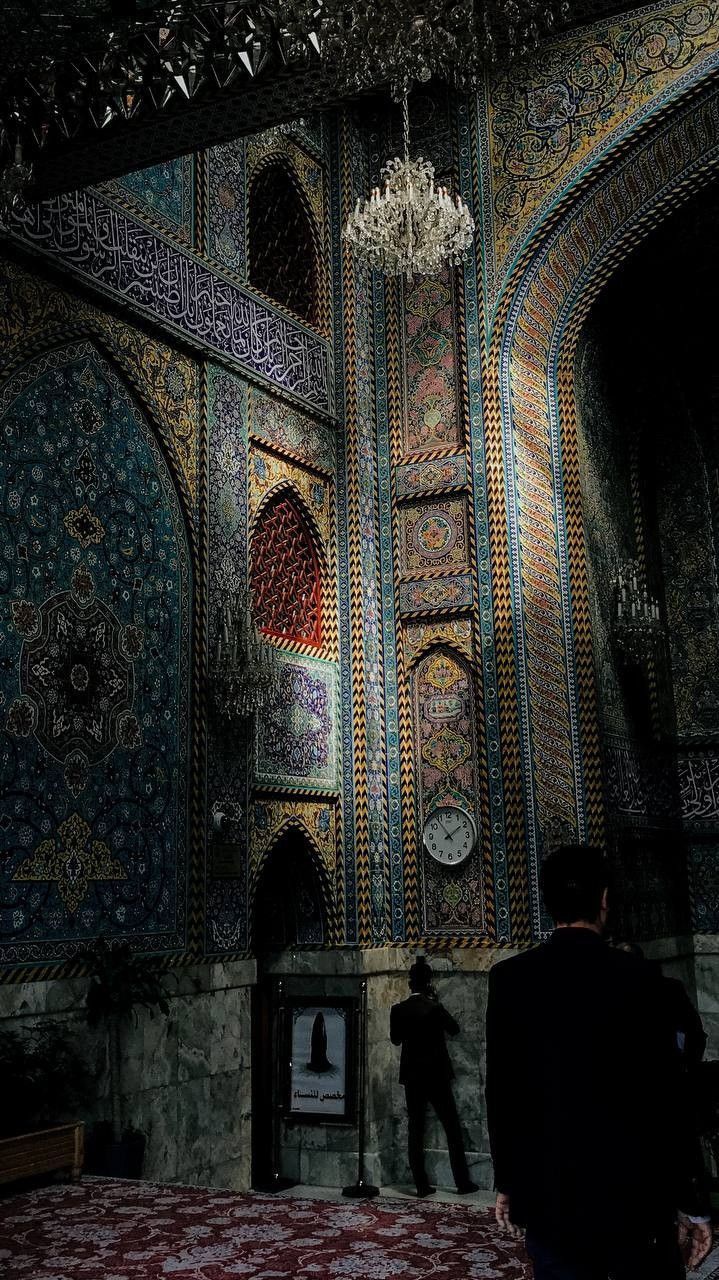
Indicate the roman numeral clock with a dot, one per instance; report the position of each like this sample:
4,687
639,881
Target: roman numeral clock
449,835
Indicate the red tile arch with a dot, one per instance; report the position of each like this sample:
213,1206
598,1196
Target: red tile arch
285,574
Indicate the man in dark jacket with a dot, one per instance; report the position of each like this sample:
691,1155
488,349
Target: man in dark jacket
419,1024
593,1147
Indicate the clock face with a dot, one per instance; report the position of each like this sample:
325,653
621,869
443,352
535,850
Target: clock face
450,835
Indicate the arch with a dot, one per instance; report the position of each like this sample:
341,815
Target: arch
284,556
531,401
113,652
433,644
294,826
284,250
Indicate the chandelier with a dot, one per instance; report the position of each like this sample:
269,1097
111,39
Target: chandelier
15,178
637,624
410,226
371,42
244,668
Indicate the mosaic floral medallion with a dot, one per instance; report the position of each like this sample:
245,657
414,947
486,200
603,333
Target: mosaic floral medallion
441,672
72,861
434,535
85,526
446,750
76,677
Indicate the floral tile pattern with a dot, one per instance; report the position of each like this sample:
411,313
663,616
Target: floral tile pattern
95,584
110,1229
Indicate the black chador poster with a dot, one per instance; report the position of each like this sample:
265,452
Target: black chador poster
319,1083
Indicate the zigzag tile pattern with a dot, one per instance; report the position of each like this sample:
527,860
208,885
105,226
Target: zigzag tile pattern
495,619
363,893
410,872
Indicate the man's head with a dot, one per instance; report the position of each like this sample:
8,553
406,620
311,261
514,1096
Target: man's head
575,885
420,975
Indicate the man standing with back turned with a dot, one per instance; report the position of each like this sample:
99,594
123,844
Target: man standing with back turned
593,1145
419,1024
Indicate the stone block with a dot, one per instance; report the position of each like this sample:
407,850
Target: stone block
229,1128
27,999
308,1137
132,1054
159,1046
233,1175
707,983
711,1026
229,1033
194,1022
233,974
290,1163
193,1124
155,1113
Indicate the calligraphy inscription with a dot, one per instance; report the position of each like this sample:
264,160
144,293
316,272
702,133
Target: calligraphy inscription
121,257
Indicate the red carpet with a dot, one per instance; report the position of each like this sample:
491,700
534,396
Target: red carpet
113,1230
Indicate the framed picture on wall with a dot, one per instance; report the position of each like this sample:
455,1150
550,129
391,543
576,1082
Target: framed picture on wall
320,1083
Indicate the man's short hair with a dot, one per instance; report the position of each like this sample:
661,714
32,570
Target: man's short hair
420,975
573,879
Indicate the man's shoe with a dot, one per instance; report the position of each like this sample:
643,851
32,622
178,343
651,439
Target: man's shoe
426,1190
466,1188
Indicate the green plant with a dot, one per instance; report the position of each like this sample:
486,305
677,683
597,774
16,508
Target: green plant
43,1078
120,983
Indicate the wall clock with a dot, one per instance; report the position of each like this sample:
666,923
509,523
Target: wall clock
449,835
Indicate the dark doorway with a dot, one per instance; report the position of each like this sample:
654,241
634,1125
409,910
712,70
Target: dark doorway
288,912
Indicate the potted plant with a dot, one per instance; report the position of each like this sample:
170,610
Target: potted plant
120,983
44,1081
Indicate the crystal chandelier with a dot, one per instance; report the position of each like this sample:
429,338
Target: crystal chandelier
410,227
400,42
244,668
637,624
14,181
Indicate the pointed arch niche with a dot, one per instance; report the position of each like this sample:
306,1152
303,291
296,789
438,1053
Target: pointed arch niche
443,709
284,260
285,572
291,899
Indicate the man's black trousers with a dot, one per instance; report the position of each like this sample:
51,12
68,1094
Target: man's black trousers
439,1094
660,1260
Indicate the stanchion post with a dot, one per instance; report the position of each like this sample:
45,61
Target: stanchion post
277,1182
361,1190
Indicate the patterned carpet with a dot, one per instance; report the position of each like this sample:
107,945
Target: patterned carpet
113,1230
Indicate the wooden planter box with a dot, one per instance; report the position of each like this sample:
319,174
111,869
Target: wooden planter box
29,1155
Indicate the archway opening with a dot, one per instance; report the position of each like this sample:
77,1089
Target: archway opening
647,394
282,255
289,911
